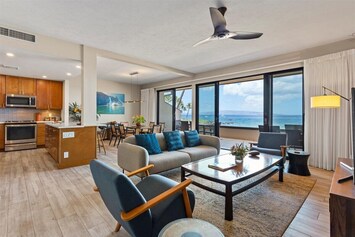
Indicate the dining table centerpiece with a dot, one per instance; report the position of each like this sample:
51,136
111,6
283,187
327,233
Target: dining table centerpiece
239,151
138,120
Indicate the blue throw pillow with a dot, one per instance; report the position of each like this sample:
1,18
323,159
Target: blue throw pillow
149,142
192,138
173,140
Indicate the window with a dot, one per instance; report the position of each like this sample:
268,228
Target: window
241,103
287,99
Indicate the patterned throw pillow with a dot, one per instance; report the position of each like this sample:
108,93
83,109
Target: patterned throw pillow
173,140
149,142
192,138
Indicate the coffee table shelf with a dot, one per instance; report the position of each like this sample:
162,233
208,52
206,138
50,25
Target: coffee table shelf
251,167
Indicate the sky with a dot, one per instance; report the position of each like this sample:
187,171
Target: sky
248,96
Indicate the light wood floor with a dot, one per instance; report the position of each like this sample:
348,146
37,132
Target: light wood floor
37,199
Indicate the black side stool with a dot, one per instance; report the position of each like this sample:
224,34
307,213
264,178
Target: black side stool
298,162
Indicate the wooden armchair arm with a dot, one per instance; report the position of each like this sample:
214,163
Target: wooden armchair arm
144,169
127,216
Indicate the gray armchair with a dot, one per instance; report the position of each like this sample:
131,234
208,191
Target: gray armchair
142,210
271,143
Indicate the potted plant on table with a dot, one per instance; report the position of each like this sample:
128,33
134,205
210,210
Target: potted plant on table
239,151
138,120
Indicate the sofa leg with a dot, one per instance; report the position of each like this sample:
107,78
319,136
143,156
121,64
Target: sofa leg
118,227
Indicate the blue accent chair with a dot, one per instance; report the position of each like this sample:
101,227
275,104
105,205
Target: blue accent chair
271,143
142,209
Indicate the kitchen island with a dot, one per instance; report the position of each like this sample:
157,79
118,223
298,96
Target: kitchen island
70,145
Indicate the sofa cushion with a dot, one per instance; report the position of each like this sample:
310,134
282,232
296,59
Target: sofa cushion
173,140
192,138
199,152
149,142
168,160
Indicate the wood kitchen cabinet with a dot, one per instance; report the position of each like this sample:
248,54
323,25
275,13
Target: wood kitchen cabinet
52,141
2,91
56,95
49,94
2,136
20,85
41,127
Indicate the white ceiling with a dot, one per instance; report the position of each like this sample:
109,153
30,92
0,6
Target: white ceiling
163,32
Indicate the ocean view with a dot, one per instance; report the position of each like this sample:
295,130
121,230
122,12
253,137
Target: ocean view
249,121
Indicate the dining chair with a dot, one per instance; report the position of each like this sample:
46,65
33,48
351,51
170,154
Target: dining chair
122,133
100,140
162,125
114,133
137,130
156,129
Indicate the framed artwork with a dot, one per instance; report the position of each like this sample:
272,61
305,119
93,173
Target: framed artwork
110,103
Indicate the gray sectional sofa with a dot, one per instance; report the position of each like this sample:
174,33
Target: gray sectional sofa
131,156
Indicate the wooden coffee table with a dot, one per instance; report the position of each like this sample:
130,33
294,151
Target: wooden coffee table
251,167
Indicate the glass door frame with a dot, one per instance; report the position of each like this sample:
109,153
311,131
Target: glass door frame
173,91
216,105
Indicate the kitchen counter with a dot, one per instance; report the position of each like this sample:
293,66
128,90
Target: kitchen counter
70,145
63,125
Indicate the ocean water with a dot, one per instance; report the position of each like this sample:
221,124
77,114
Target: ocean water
248,121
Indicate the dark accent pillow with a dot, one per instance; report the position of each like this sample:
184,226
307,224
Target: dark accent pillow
192,138
149,142
173,140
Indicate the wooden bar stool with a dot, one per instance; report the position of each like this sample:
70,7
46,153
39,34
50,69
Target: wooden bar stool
100,140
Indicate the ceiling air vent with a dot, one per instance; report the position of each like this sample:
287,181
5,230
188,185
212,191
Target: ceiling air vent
17,34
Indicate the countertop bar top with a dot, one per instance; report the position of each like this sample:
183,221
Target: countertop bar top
63,125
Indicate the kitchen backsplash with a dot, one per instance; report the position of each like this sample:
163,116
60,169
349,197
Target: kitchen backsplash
28,114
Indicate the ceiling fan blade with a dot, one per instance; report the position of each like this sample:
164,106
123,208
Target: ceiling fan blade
246,35
222,10
217,18
202,41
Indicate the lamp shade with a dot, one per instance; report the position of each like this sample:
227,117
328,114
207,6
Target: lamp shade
325,101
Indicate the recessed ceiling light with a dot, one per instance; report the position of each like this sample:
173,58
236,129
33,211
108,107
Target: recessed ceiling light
10,54
44,76
68,74
78,66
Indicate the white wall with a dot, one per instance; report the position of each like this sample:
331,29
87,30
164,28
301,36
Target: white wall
75,90
130,109
108,87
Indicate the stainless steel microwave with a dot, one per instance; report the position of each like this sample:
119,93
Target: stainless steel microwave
20,101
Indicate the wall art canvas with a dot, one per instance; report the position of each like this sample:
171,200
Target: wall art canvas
110,103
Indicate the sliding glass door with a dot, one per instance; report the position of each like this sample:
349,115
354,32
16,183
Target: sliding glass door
183,109
287,105
175,108
166,112
207,120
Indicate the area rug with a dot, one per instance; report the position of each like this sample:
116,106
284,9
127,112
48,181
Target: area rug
264,210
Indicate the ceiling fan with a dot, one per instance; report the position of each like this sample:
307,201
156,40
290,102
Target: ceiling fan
220,30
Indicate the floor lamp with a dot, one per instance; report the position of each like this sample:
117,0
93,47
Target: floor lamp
331,101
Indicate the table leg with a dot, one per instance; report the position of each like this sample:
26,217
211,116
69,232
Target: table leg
281,170
228,215
182,174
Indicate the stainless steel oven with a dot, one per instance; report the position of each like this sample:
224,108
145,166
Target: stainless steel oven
20,135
